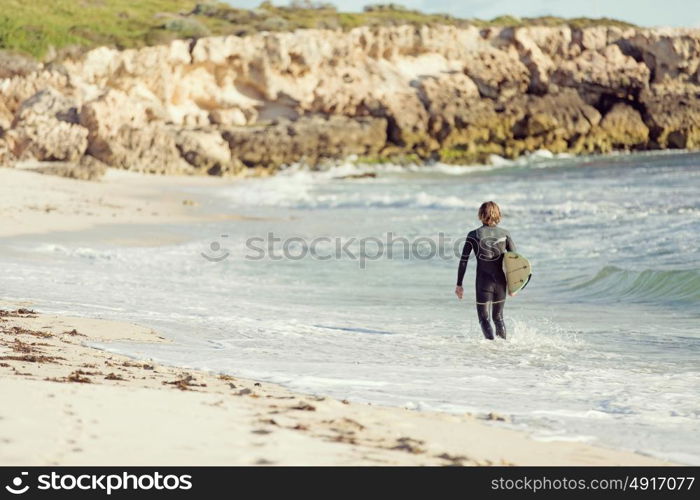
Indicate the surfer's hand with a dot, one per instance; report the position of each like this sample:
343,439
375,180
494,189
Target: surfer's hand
459,292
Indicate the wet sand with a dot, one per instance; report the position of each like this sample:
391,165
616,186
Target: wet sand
66,403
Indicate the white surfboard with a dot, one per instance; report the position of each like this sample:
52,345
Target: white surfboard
518,271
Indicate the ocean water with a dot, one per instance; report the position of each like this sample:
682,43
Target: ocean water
603,344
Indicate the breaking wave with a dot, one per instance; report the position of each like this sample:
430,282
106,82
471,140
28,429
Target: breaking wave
615,283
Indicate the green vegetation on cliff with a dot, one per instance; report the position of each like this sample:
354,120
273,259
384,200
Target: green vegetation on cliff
40,28
33,27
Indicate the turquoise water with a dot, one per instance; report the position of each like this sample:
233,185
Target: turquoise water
603,343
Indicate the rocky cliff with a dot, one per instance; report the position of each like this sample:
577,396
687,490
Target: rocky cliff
221,105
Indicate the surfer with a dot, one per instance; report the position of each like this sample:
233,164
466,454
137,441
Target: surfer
489,243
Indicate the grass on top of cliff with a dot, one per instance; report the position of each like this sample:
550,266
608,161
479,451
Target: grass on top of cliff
33,27
39,28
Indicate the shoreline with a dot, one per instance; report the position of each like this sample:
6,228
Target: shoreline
120,197
127,198
75,404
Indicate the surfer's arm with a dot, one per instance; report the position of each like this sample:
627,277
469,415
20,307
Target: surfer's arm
510,246
466,250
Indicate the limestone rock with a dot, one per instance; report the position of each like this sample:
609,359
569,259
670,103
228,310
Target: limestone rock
593,38
104,117
455,93
438,91
497,73
44,128
564,113
555,42
207,151
231,116
519,125
553,122
47,103
539,64
123,133
673,118
669,54
19,88
150,148
5,117
407,120
309,139
606,71
448,98
48,140
6,156
624,127
382,90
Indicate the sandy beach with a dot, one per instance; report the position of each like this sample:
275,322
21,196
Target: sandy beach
67,403
75,405
32,203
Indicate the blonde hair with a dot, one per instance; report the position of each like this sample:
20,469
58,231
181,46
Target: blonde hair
489,213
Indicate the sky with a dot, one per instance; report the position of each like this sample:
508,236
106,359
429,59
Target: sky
640,12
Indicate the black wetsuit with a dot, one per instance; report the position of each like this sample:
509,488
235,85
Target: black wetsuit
489,243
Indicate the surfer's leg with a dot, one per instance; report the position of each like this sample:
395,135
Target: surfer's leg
499,302
482,310
497,311
484,296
